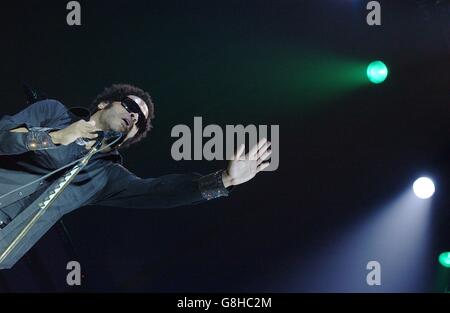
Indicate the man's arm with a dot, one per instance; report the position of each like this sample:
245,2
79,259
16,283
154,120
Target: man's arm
27,130
124,189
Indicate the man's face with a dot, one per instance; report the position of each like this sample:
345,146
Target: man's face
117,118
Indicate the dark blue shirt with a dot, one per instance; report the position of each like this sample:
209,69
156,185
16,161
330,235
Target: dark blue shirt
27,156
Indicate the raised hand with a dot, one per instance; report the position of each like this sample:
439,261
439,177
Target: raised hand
244,167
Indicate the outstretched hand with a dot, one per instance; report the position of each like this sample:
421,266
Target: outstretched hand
244,167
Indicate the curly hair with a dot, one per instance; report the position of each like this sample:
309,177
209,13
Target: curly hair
117,92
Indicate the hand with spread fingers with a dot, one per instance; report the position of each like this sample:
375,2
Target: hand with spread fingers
244,167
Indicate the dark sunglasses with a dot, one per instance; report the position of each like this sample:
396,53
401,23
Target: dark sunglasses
133,107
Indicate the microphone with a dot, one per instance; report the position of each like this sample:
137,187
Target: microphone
102,135
109,134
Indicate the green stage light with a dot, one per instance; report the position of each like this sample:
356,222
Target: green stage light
377,72
444,259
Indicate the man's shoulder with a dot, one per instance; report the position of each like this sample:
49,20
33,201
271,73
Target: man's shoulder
50,113
50,104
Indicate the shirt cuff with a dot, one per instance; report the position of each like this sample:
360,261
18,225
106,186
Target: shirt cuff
38,138
211,186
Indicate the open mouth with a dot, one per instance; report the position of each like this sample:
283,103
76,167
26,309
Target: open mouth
126,122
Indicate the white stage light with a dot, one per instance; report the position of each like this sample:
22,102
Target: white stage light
423,188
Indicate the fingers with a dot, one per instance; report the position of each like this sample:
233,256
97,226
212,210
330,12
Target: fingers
263,157
89,135
89,144
88,129
262,166
239,153
263,149
254,150
259,152
90,126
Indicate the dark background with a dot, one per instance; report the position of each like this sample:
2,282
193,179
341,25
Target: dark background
347,147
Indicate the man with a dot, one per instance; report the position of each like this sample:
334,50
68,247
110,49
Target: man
46,136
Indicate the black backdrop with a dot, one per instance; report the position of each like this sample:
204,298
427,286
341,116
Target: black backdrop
342,154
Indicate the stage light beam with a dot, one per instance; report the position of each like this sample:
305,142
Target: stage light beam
377,72
423,188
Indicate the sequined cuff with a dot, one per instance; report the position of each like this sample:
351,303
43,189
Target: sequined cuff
38,138
211,186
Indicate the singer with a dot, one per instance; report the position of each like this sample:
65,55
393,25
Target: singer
47,136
